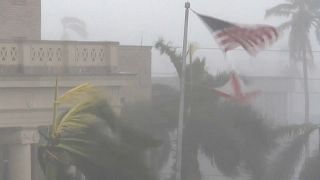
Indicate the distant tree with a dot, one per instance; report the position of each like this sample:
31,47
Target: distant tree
90,137
74,24
304,16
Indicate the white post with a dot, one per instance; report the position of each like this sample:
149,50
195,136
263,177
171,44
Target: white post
182,91
19,165
19,155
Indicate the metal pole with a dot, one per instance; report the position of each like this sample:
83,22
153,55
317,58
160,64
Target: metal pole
182,89
55,104
319,143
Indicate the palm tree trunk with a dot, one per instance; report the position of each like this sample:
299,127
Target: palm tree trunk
306,99
306,91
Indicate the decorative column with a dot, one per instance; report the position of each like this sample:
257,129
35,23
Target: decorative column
19,154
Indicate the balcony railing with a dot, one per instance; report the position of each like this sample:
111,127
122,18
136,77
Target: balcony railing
57,57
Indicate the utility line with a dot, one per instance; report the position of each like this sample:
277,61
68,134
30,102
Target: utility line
217,48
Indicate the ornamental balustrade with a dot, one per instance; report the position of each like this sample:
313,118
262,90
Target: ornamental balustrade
34,57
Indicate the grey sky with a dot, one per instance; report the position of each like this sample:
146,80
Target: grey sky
127,22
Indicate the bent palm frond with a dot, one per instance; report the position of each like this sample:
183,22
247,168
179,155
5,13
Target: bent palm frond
90,136
284,164
285,26
175,58
285,9
294,130
77,94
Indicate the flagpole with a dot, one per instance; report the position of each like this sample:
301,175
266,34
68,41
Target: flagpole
182,92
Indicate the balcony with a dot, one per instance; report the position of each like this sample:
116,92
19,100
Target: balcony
57,57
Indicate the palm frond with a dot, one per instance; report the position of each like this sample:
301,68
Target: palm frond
77,123
106,157
73,119
74,150
292,131
285,26
283,165
81,97
175,58
285,9
77,94
83,141
53,167
224,154
137,138
90,136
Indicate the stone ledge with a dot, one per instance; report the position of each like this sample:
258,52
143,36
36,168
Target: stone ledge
19,136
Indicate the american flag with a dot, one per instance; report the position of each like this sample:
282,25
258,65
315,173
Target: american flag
229,36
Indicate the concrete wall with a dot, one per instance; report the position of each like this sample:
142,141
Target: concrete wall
20,19
27,101
136,60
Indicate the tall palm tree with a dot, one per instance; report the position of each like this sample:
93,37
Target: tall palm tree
74,24
304,16
89,136
229,134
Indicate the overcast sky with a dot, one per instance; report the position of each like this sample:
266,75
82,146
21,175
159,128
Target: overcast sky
130,21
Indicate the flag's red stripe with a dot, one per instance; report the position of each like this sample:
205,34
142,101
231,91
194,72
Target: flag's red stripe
252,39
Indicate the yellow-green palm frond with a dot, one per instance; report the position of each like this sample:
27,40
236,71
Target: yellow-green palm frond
77,123
78,93
75,118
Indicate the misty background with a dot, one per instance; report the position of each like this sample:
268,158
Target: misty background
142,22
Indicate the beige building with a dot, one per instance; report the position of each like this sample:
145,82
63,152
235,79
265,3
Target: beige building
20,19
137,60
29,67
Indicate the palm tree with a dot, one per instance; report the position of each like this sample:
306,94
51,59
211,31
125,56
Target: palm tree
284,164
74,24
89,136
175,58
229,134
304,16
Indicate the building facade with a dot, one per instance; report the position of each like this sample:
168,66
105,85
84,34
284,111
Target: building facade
28,71
20,19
